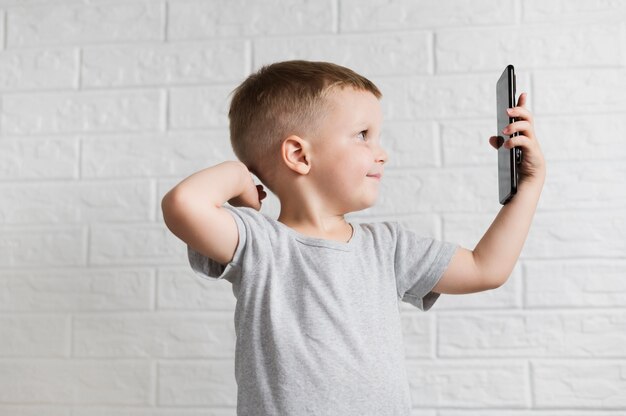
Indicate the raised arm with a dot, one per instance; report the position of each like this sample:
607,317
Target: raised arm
193,211
491,262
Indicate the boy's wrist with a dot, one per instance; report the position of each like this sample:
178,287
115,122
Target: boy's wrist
232,172
531,185
536,180
215,185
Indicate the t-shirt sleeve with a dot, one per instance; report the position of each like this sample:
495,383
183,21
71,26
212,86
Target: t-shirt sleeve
210,269
419,264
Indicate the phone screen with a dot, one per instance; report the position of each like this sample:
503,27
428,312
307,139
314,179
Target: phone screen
507,171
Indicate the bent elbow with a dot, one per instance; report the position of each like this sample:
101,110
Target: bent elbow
166,205
171,206
496,282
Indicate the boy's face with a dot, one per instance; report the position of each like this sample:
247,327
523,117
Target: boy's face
347,149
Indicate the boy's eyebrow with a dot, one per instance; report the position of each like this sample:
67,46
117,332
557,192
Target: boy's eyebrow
362,123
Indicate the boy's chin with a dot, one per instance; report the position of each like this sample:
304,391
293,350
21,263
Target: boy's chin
366,204
359,202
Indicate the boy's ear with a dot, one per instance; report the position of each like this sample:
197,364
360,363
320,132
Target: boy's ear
296,154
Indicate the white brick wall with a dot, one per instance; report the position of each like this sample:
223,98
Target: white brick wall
106,104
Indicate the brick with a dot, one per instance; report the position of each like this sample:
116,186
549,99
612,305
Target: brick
438,97
135,244
580,384
593,283
106,105
447,384
222,18
585,185
585,137
83,290
34,410
418,334
22,158
153,411
154,335
579,91
71,202
555,334
39,336
476,49
60,113
553,234
38,69
180,288
405,53
169,64
381,15
435,190
179,154
84,23
579,11
423,412
42,246
197,383
467,229
466,143
410,144
199,107
577,234
53,381
3,31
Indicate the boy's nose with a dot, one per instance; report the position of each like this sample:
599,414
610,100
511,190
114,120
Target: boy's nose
381,155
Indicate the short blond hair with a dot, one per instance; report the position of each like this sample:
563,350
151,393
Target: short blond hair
279,100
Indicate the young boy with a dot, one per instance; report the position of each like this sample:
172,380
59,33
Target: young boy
317,321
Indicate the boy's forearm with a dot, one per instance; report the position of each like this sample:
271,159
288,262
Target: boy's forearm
497,252
215,185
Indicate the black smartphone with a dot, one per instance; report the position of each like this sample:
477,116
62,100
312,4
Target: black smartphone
508,159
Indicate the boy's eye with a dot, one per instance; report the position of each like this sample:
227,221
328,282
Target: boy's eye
362,134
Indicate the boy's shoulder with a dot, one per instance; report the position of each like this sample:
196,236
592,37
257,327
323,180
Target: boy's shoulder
381,230
251,220
263,235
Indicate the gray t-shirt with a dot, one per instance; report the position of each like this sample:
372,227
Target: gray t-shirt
317,321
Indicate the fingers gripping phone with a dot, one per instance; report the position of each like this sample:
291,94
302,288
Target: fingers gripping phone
508,159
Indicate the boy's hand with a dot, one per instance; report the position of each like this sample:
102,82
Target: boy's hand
490,264
533,165
251,196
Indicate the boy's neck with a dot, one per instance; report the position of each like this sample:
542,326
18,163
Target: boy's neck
331,228
303,210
